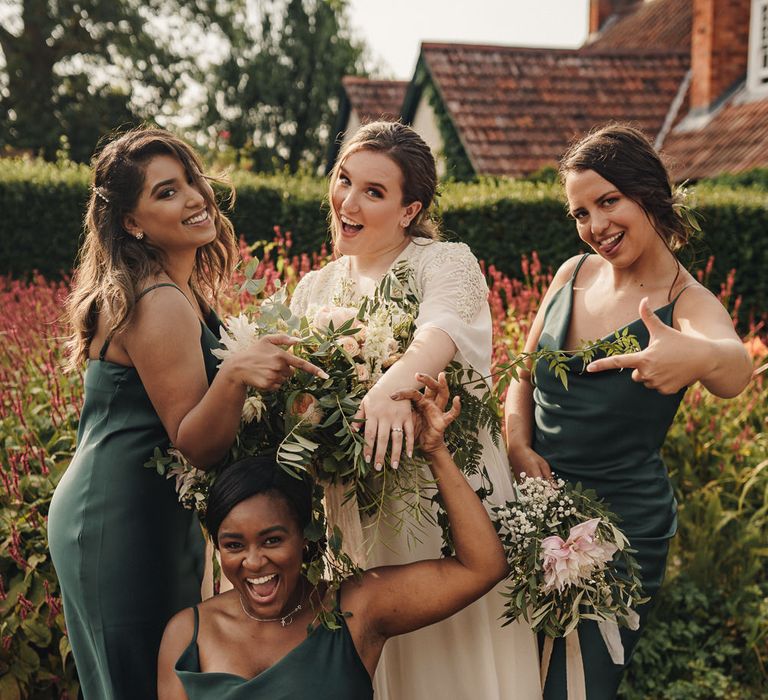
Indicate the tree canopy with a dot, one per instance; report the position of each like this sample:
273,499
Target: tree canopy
276,94
267,73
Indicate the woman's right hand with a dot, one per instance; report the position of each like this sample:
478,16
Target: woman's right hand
431,416
524,460
265,365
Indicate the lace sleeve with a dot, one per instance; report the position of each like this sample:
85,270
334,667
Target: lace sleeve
455,300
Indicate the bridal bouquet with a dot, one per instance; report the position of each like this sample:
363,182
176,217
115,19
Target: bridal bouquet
309,422
568,559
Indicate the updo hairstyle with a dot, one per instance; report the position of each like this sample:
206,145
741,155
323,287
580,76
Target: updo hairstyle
415,160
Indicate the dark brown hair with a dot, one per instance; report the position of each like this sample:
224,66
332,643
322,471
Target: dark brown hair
624,156
415,160
112,263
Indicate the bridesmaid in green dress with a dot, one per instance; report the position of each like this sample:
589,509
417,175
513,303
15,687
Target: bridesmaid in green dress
128,556
607,428
261,639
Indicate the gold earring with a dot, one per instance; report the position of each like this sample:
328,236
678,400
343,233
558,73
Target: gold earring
404,223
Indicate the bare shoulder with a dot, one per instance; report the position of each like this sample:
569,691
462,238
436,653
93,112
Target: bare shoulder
566,270
180,628
164,312
699,311
695,299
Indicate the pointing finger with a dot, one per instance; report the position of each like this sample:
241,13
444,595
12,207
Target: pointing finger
307,366
615,362
281,339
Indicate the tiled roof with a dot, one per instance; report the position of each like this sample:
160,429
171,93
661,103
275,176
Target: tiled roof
375,99
658,24
736,139
516,109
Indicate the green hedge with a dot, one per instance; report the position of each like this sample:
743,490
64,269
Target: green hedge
42,206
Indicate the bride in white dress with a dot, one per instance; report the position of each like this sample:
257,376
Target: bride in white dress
381,189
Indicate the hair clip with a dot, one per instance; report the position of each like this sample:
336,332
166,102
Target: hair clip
100,193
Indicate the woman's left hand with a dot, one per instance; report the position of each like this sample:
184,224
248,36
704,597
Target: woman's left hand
671,361
385,419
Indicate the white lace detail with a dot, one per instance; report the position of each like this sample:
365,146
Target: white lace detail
457,260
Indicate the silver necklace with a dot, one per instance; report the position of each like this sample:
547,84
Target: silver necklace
284,621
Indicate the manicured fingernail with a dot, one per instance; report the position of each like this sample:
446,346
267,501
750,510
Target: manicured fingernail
394,397
395,465
377,466
367,459
410,453
322,375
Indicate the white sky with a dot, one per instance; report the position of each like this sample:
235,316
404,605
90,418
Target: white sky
394,29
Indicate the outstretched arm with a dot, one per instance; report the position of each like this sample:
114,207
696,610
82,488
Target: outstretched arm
398,599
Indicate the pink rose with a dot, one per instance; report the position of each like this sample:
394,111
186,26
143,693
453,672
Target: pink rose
363,373
349,345
341,314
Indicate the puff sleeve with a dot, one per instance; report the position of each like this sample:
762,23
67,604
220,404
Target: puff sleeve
455,300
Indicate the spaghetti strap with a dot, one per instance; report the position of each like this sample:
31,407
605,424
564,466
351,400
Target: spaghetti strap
677,296
197,624
159,284
578,266
104,347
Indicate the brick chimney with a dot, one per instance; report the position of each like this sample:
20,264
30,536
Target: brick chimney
601,10
719,49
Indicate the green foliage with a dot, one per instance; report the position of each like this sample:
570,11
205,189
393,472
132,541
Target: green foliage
39,411
757,177
708,636
458,165
275,93
501,220
75,67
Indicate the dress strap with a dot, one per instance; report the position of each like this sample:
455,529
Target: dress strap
197,624
578,266
677,296
108,340
159,284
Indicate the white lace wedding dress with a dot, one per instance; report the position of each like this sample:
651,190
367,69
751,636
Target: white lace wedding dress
469,656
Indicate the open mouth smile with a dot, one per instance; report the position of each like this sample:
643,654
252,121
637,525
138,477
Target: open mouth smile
609,245
262,589
198,218
350,227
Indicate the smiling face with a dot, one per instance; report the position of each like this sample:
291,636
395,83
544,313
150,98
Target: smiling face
368,214
171,210
261,547
612,224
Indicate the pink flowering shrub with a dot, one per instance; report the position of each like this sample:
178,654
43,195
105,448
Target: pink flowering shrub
716,452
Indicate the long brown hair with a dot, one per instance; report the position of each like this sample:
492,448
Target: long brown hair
416,162
624,156
112,264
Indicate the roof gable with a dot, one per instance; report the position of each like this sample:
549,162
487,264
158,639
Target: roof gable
516,109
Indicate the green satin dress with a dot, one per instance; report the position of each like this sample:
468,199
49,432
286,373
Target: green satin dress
325,666
128,556
606,431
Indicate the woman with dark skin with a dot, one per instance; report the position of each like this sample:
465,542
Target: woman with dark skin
252,641
607,428
157,252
